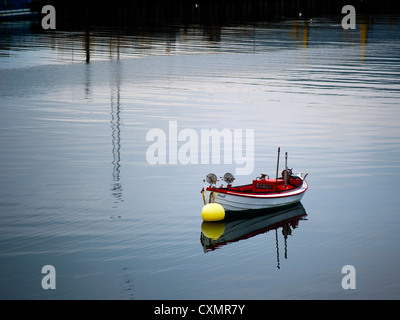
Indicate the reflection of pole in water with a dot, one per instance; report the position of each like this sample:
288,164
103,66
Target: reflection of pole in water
127,285
303,40
286,231
363,36
116,137
277,248
116,143
87,81
87,45
305,35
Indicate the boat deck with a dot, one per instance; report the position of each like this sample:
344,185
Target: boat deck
265,186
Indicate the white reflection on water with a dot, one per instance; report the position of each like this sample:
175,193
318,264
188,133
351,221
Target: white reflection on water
78,193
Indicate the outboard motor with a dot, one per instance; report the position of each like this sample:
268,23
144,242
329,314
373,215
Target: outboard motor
287,173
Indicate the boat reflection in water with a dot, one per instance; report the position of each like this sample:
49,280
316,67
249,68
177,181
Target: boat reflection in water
215,235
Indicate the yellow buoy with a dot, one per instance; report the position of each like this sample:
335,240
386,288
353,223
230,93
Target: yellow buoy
213,212
213,230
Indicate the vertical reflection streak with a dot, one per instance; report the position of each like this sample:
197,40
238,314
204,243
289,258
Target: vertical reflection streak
116,188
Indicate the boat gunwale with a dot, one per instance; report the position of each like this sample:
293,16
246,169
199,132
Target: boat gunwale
271,194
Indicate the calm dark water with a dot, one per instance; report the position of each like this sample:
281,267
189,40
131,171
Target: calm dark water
78,193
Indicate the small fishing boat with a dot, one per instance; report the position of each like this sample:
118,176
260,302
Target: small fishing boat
263,193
